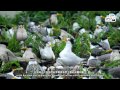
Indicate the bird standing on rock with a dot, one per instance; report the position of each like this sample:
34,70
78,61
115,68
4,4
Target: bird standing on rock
28,54
34,69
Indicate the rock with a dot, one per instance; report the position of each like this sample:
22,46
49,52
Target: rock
115,72
23,64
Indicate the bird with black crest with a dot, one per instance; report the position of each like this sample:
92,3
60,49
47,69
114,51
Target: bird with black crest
98,30
52,20
47,52
33,69
29,54
67,57
99,19
93,62
11,74
49,37
96,50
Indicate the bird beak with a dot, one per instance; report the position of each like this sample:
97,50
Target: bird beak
59,14
19,68
101,24
64,39
102,17
108,37
14,70
50,45
96,27
24,48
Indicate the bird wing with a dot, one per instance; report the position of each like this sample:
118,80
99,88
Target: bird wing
52,53
105,45
45,54
41,50
11,55
76,57
104,57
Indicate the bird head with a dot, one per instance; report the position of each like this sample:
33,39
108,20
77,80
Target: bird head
70,39
20,26
24,48
97,26
49,44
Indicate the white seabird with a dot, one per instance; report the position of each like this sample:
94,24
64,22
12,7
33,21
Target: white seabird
28,54
34,69
67,57
98,19
98,30
52,20
47,52
21,34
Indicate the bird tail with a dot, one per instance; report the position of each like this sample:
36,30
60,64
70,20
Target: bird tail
82,59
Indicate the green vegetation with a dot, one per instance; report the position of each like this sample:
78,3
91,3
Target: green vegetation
9,65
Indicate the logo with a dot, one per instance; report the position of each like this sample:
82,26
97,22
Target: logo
110,18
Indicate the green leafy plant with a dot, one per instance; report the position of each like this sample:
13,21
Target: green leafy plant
58,48
9,65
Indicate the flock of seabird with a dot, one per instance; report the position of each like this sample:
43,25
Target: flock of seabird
67,57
